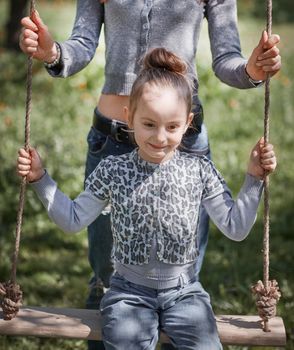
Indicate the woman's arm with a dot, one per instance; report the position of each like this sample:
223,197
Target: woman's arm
80,48
74,54
228,63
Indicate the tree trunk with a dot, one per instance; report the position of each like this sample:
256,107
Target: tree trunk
16,12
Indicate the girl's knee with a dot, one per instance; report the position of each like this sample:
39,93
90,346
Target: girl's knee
128,333
126,325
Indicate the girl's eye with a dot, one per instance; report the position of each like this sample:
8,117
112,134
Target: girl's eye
149,125
173,127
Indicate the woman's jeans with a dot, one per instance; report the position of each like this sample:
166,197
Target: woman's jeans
99,232
133,315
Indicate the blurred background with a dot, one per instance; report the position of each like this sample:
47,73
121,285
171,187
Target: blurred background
53,268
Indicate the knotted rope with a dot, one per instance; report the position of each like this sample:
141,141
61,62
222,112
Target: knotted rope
10,292
267,292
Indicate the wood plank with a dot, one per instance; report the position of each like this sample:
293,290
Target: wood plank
86,324
247,330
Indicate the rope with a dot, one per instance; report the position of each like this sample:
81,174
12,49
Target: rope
267,292
266,140
10,291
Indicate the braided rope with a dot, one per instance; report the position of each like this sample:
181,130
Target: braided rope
267,292
266,140
10,292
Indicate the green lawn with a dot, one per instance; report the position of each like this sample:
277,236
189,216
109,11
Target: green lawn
53,268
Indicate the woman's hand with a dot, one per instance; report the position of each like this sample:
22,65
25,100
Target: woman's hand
35,39
265,58
29,164
262,159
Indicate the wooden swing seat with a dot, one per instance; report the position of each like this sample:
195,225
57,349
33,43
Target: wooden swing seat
86,324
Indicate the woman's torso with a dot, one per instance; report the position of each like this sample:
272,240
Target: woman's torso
174,25
132,28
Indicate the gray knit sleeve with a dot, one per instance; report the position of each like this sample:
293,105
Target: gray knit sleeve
235,218
228,62
80,48
69,215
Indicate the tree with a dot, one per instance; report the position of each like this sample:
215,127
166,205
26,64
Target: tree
16,12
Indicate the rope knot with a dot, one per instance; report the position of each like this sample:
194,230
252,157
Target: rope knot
266,300
10,299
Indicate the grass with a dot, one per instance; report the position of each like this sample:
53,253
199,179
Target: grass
53,268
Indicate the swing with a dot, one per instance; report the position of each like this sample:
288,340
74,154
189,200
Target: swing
263,330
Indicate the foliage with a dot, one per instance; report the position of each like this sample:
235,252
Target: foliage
282,10
53,268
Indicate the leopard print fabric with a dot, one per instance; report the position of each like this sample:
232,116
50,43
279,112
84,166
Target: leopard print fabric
155,200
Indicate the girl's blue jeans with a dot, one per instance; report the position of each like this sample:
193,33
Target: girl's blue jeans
133,315
99,232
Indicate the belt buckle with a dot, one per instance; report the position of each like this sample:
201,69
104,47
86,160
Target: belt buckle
118,135
117,131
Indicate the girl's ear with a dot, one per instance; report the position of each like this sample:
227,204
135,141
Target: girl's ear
127,117
189,120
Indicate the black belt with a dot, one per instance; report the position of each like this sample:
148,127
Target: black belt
118,130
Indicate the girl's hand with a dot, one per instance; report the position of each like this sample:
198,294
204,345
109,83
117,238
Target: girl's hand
29,164
35,39
262,159
265,58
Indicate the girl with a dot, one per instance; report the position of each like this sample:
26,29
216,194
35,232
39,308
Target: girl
155,194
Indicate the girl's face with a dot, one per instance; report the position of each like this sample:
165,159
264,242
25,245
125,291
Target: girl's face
159,122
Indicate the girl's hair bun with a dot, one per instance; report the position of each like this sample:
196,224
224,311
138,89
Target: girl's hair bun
160,58
162,68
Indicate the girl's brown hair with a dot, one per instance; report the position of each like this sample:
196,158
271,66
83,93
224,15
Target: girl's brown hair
163,68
